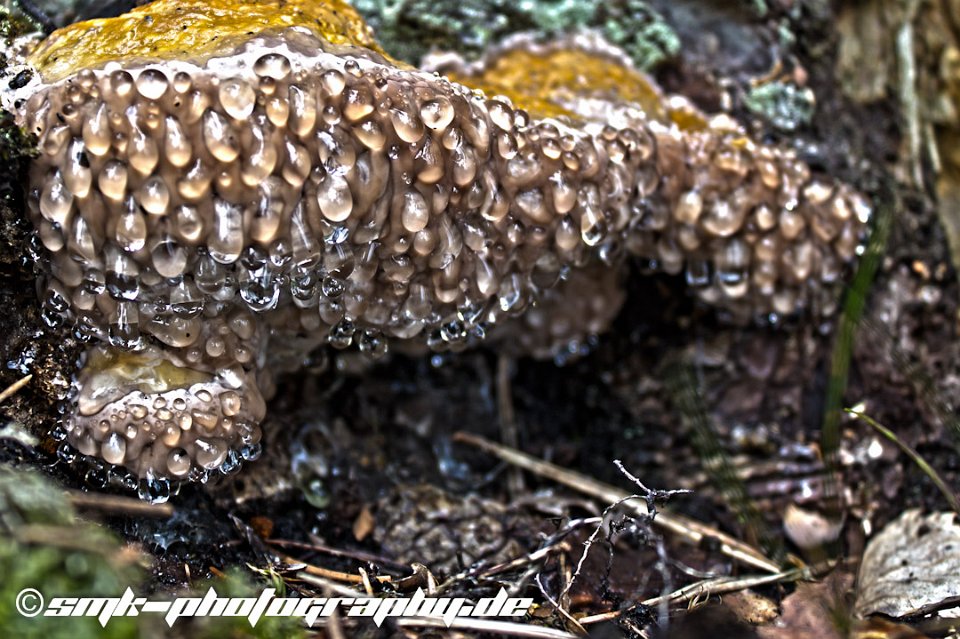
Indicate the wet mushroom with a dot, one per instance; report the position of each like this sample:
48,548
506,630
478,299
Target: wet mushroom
214,203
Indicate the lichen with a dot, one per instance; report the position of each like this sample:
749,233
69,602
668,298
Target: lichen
409,29
784,105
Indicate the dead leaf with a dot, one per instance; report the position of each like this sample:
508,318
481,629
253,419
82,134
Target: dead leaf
911,566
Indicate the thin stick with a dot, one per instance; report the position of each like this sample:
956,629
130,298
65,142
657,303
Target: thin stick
334,575
705,588
120,505
504,628
509,434
13,388
690,530
357,555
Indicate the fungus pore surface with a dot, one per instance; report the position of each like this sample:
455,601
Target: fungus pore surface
223,186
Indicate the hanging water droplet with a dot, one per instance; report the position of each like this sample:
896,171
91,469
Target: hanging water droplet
334,197
372,344
176,144
154,196
154,490
96,131
225,241
437,113
237,98
125,326
169,258
178,462
56,200
210,453
113,180
332,287
185,299
260,288
415,214
114,448
341,334
219,136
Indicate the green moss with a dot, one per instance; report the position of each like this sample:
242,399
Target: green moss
408,29
785,106
43,545
638,30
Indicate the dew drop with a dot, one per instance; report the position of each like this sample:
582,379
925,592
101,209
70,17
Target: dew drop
237,98
415,213
114,448
178,462
334,197
96,131
154,195
152,84
272,65
176,145
219,137
210,453
437,114
56,200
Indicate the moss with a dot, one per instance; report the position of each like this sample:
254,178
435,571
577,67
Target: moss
409,29
785,106
43,545
640,31
46,548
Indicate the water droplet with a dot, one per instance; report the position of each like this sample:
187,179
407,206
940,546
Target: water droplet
142,151
237,98
56,200
220,137
154,490
113,180
724,219
96,131
272,65
125,326
154,196
152,84
303,111
210,453
357,103
114,448
341,334
333,82
169,258
334,197
332,287
178,462
176,145
231,463
408,126
226,240
437,114
415,214
131,233
372,344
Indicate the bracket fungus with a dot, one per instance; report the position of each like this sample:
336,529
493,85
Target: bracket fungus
224,185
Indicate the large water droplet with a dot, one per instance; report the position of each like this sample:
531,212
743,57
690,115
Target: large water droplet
237,98
220,137
334,197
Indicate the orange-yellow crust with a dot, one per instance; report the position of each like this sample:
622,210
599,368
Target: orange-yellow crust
192,30
545,82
